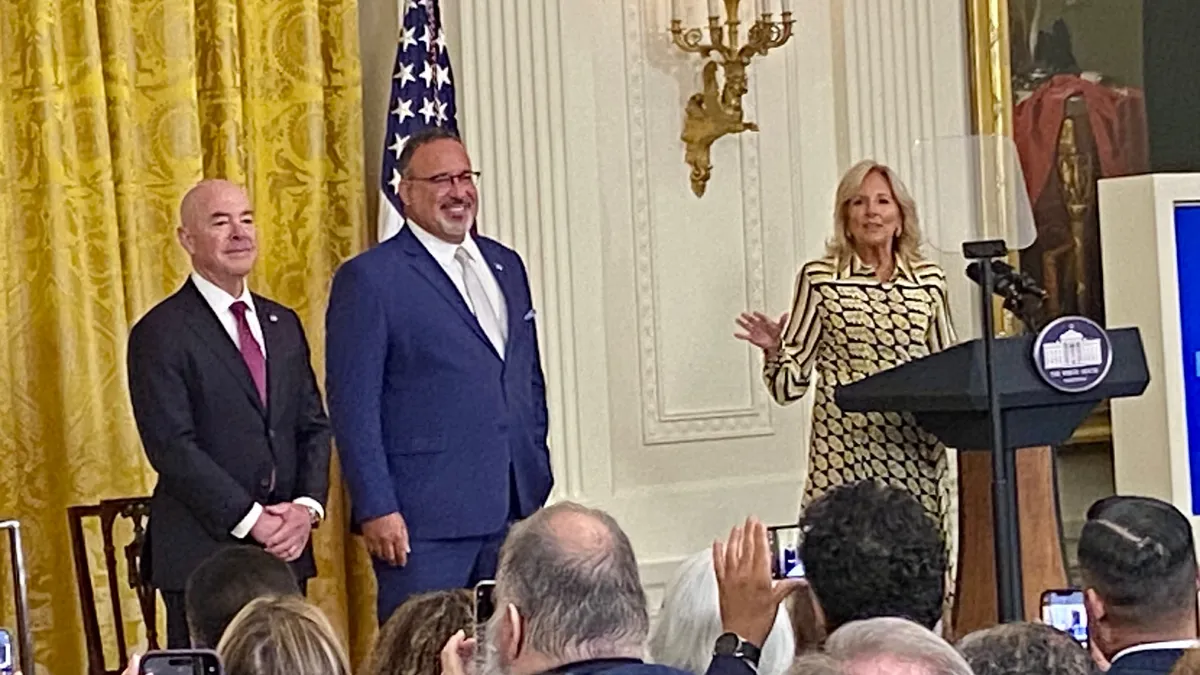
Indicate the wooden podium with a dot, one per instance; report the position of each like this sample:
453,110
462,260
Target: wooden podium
947,394
1042,565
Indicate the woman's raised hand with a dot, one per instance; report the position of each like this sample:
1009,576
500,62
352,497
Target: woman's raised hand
759,330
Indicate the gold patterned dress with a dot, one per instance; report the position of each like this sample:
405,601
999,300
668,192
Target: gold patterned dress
845,325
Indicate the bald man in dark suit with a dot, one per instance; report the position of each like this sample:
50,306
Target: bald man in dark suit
228,409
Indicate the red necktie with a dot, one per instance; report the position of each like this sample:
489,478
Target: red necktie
251,352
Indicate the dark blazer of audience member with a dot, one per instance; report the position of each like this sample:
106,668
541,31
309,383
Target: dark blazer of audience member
1137,558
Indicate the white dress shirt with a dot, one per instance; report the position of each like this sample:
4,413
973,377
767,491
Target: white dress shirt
443,252
220,302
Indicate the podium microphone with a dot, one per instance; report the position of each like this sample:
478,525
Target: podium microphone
1009,281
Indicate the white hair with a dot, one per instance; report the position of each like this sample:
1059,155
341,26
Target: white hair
860,646
690,622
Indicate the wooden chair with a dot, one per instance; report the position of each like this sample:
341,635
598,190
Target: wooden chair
137,511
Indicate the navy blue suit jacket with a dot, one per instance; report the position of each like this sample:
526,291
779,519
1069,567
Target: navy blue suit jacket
1149,662
429,421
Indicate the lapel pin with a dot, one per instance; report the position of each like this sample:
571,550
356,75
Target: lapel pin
272,318
499,267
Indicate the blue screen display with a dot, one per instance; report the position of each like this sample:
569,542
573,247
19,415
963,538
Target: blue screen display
1187,265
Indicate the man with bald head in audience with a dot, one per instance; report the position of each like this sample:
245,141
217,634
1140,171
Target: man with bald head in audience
569,599
227,408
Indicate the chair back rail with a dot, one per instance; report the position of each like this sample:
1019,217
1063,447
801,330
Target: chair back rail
108,512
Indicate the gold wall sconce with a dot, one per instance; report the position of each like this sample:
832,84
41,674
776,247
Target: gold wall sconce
717,111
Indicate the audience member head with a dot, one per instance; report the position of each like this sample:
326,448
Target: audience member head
437,184
567,590
816,663
1138,562
891,646
282,636
690,622
216,228
871,550
224,583
1032,648
413,637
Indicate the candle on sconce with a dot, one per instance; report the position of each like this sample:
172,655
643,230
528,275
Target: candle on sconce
714,8
675,14
787,6
760,8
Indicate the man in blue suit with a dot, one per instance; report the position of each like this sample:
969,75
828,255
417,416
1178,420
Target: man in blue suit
435,385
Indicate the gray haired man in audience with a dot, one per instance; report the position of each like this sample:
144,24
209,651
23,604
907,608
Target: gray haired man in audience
883,646
569,600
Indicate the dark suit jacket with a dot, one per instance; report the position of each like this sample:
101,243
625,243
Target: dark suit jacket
208,436
1149,662
430,421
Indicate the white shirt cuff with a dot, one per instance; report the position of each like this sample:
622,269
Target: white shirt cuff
243,528
312,504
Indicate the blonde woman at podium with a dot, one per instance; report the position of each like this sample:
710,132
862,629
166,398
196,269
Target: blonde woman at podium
871,303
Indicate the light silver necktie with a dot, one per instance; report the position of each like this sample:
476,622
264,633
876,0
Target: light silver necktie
480,304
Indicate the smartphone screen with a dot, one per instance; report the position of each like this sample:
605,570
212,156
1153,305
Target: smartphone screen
180,662
484,605
785,552
1063,609
7,662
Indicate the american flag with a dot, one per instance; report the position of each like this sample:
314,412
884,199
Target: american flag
422,96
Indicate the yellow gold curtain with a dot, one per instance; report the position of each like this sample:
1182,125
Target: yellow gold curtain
109,111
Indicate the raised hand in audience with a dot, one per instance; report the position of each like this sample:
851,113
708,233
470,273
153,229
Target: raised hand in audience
749,596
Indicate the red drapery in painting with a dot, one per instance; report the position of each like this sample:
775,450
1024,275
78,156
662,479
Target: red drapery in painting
1118,121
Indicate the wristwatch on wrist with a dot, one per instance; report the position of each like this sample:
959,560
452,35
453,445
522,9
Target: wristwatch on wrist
314,518
731,644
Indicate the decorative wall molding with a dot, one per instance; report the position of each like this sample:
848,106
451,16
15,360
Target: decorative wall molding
576,176
655,575
905,80
511,94
661,424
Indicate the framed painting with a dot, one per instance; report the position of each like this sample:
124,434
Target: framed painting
1063,79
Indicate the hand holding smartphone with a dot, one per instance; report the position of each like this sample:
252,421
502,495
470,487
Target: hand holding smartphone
181,662
485,606
1063,609
785,552
8,663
